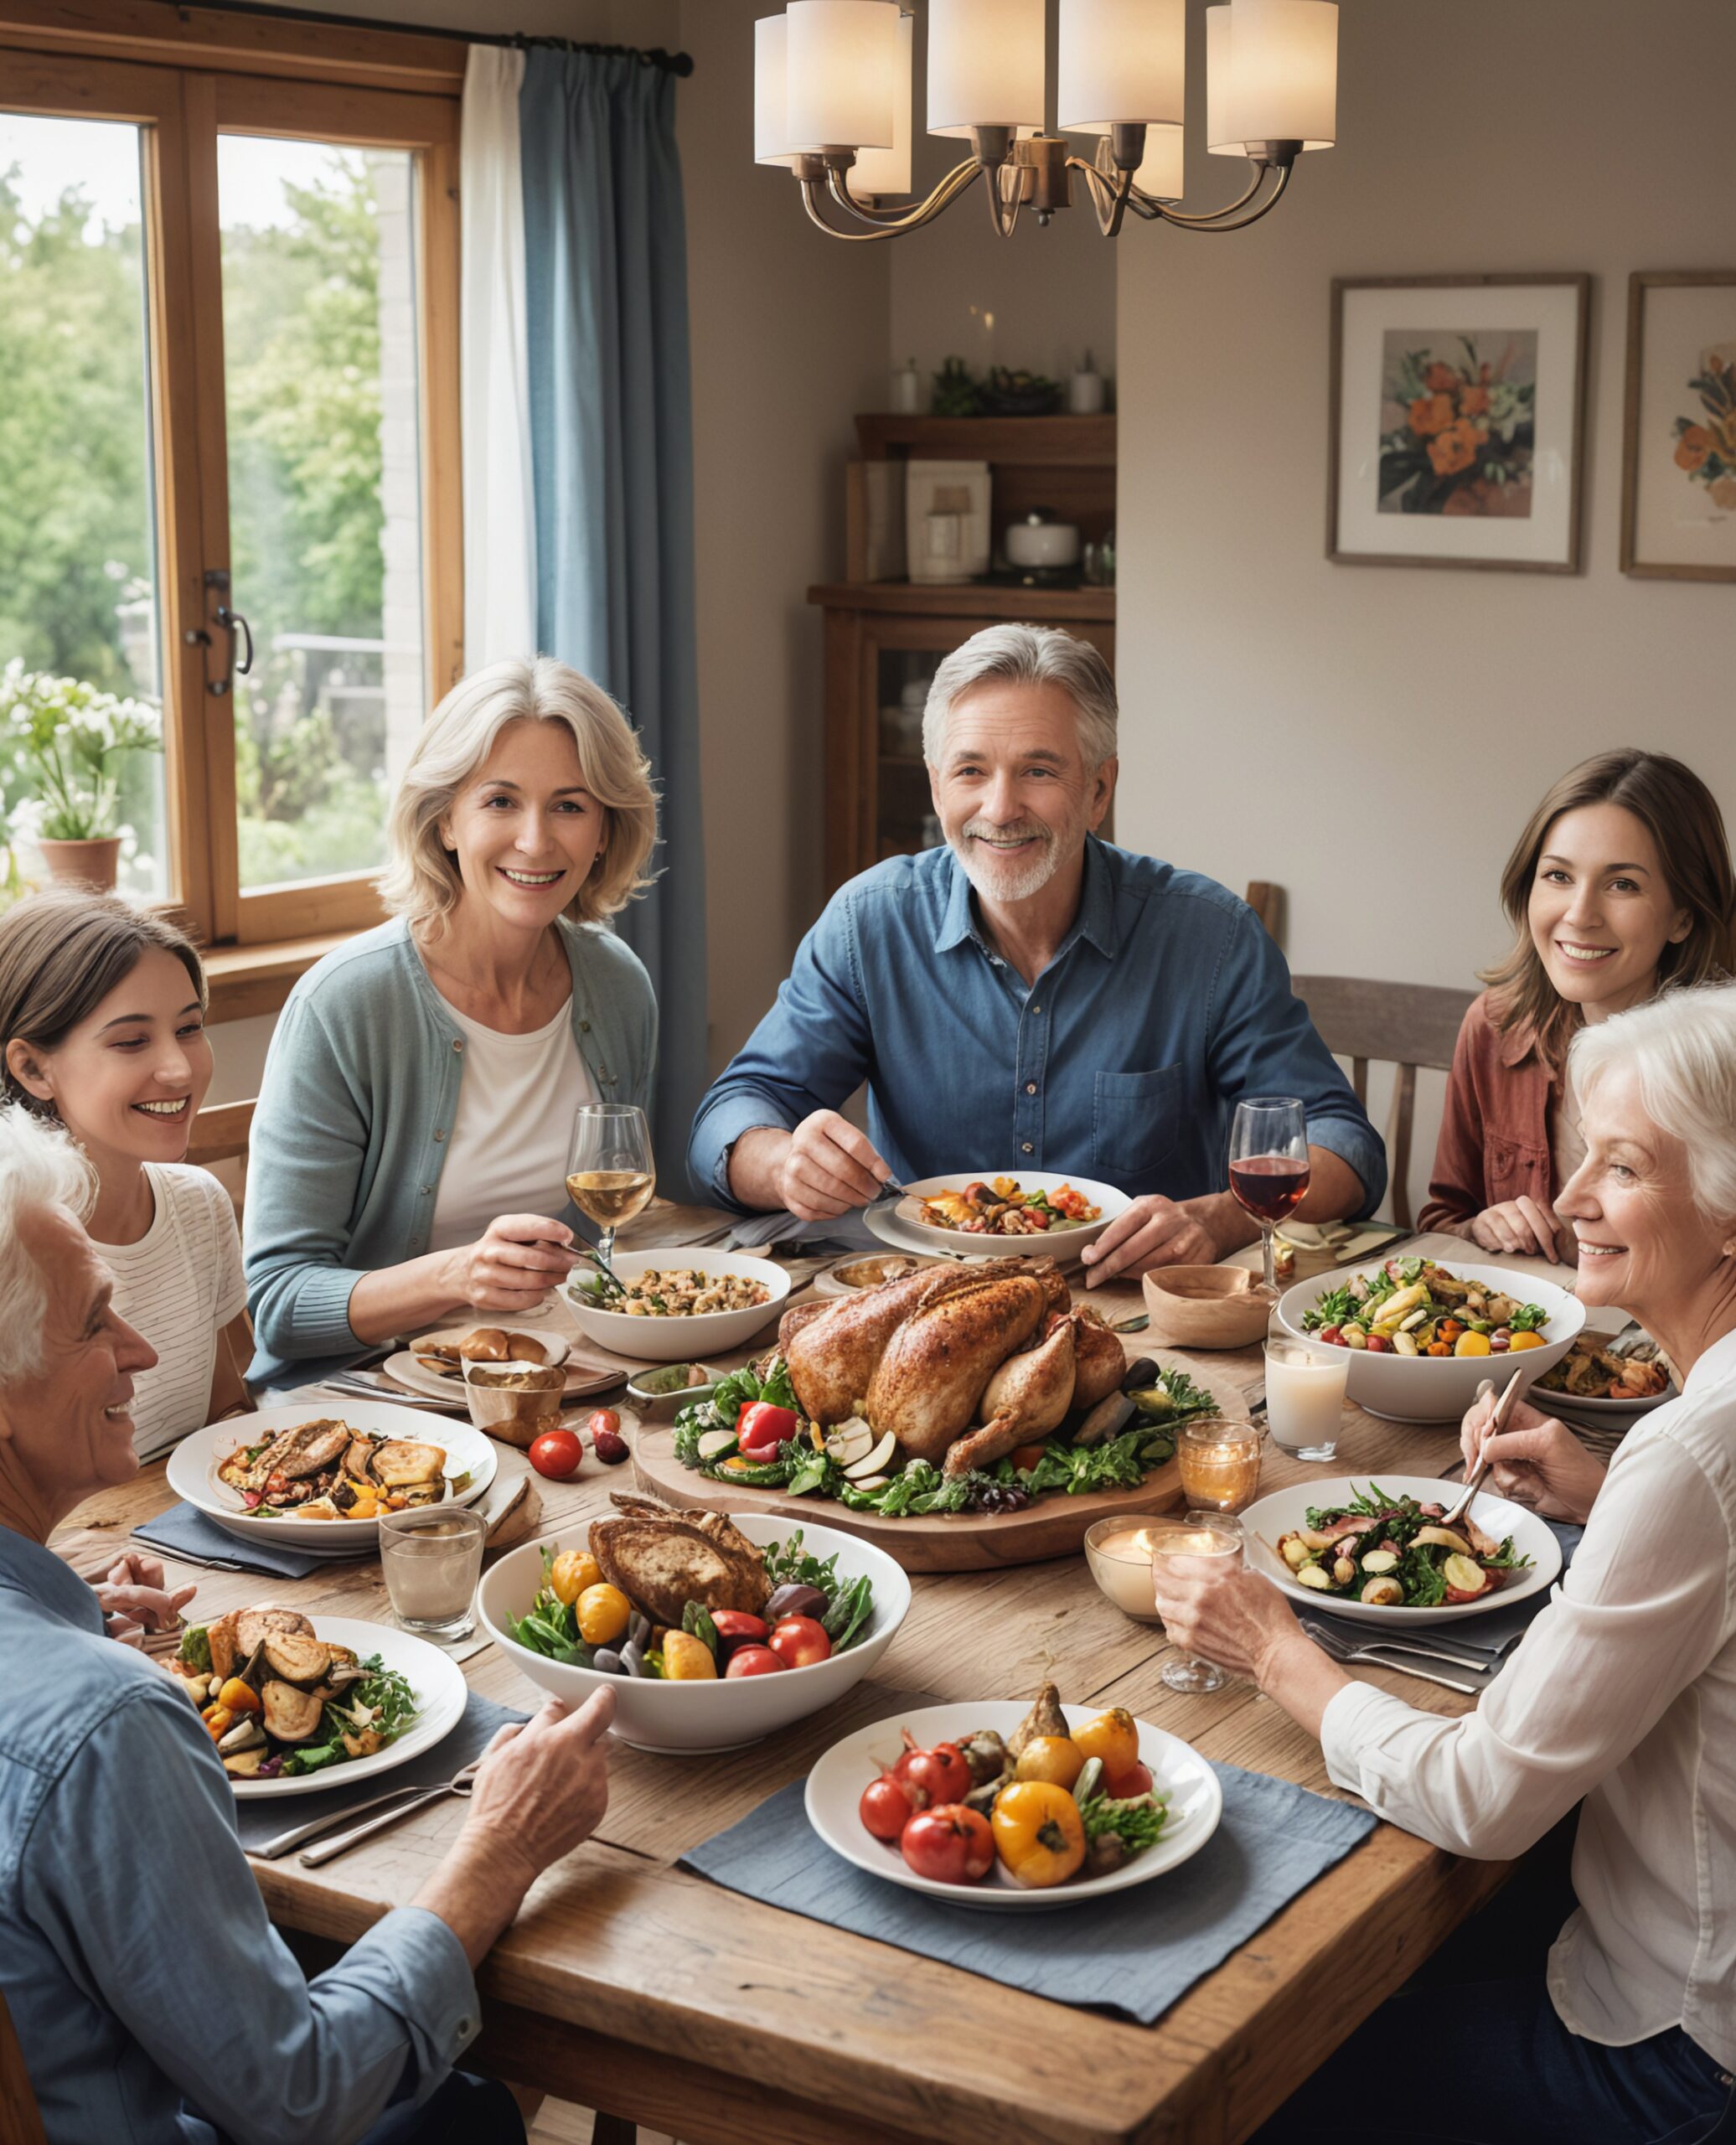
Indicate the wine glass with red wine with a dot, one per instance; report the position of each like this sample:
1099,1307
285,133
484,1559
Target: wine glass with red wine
1268,1163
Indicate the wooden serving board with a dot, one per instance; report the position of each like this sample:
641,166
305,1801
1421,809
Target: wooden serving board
950,1542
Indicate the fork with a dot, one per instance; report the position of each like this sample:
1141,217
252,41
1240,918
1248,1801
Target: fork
1376,1655
459,1784
1474,1480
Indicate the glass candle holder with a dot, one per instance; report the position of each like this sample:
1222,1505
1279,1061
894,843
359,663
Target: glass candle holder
1220,1465
1213,1535
1304,1397
1118,1551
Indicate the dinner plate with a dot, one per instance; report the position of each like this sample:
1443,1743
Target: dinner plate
193,1468
1613,1414
1058,1243
1284,1509
442,1695
581,1379
836,1785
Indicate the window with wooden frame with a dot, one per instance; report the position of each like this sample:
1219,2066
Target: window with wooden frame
230,250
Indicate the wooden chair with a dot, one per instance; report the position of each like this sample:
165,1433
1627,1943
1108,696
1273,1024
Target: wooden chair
1406,1025
20,2119
221,1134
1265,898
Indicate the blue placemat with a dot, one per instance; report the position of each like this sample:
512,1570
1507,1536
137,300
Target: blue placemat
1136,1952
262,1819
184,1531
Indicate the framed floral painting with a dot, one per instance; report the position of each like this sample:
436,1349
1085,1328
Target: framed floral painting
1457,421
1678,481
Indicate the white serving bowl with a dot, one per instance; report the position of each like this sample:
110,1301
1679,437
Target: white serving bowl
691,1718
1439,1388
1285,1510
834,1794
1058,1243
679,1340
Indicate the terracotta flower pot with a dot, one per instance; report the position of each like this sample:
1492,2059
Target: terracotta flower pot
95,863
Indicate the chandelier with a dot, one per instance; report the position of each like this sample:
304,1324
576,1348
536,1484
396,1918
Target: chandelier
832,103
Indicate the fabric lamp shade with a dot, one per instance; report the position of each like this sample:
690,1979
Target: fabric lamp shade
987,64
1122,62
1163,167
770,130
887,170
1271,73
841,63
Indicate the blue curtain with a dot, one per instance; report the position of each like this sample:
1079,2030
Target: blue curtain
612,445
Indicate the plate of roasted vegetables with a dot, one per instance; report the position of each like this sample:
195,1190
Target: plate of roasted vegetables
1004,1212
292,1705
322,1482
1621,1374
1421,1336
1009,1807
1377,1552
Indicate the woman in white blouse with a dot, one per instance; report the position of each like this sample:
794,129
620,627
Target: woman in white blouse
1622,1695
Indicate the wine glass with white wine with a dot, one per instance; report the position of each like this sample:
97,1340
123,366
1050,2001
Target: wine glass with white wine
610,1173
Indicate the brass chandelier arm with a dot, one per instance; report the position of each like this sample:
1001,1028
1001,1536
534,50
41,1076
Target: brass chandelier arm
1105,192
1219,220
909,217
1110,199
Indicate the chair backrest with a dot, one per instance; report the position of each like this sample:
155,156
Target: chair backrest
1265,898
220,1134
20,2120
1406,1025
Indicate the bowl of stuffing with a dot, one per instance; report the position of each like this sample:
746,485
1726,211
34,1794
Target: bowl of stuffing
676,1304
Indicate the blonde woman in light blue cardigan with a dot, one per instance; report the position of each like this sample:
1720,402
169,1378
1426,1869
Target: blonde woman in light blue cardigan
408,1154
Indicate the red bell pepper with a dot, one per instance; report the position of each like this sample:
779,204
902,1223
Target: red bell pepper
761,1429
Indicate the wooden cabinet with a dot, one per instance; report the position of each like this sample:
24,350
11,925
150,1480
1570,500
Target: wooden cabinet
884,637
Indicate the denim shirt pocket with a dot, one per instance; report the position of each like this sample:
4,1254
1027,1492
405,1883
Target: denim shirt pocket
1135,1120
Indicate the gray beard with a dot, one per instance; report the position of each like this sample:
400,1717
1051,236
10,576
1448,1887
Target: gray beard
996,882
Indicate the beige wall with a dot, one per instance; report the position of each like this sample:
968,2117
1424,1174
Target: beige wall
1373,738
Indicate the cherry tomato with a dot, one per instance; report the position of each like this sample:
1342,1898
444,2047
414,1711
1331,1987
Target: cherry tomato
761,1429
943,1774
1378,1345
753,1660
798,1641
885,1809
556,1454
1055,1757
950,1843
607,1441
1123,1786
1113,1736
603,1418
1333,1336
736,1627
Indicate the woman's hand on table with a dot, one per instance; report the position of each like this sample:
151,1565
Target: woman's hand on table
1536,1460
136,1595
1524,1227
1151,1232
513,1266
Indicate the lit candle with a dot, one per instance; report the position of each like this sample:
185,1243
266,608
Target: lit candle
1220,1465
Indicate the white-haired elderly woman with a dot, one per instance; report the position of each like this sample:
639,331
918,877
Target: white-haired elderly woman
135,1949
1622,1695
409,1151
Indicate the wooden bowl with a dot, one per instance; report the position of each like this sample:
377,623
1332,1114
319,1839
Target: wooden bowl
1206,1306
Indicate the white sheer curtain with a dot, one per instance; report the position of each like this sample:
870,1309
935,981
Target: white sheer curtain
499,516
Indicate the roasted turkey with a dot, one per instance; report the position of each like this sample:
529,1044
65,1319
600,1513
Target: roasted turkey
960,1363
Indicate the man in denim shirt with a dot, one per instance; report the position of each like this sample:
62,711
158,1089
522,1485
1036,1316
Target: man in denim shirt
153,1999
1031,995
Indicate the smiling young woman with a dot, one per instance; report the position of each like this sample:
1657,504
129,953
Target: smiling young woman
102,1030
1620,884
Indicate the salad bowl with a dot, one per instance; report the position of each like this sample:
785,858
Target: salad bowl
667,1339
1438,1389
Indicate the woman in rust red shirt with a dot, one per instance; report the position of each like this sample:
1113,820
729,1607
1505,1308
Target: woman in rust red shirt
1619,885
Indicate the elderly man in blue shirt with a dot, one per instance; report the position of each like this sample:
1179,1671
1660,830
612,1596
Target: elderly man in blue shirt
151,1998
1029,995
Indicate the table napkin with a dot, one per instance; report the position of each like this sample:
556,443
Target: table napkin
1136,1952
262,1819
184,1531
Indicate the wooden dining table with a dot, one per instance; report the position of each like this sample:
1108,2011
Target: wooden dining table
634,1988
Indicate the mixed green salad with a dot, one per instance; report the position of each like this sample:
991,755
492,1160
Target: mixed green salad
1415,1307
1393,1552
1158,1402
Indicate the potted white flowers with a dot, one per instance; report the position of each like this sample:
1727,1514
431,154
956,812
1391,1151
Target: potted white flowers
67,737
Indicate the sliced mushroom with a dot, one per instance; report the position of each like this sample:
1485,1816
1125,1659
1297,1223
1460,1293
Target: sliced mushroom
290,1716
1443,1538
1383,1593
252,1625
296,1659
245,1733
402,1462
